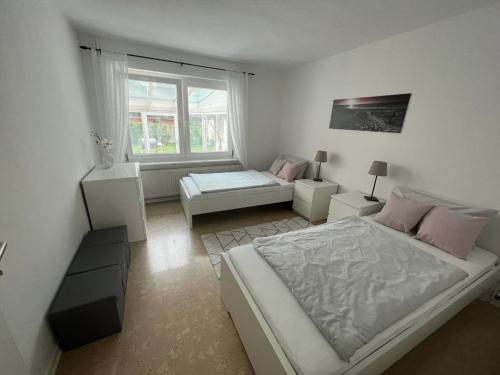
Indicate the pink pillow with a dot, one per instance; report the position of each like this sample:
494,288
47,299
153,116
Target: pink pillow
289,171
402,214
452,231
277,165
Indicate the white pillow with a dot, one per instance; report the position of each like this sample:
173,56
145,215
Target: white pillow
424,197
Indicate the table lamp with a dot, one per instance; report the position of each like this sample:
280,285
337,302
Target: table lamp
320,158
378,168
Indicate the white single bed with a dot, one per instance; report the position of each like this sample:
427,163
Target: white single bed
280,338
194,202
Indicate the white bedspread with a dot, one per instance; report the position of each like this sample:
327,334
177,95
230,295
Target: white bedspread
355,280
195,194
225,181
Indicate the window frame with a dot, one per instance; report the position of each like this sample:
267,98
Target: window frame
182,83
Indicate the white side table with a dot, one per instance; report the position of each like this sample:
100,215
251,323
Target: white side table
311,198
351,204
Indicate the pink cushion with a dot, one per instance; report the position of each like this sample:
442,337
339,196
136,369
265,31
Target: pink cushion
452,231
402,214
289,171
277,165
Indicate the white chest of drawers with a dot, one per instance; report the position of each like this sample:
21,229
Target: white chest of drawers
114,197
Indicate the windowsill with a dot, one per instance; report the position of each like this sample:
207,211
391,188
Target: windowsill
186,164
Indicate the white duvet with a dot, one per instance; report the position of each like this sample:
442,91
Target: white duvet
225,181
355,280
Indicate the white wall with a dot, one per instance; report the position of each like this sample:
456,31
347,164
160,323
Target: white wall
450,142
264,117
45,149
265,88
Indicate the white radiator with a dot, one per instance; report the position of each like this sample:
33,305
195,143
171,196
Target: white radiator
164,183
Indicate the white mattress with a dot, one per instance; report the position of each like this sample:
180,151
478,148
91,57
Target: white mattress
195,194
303,344
225,181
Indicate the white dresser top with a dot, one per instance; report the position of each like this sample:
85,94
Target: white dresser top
355,199
317,184
116,172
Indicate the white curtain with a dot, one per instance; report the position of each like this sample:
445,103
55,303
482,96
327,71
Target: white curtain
237,94
110,97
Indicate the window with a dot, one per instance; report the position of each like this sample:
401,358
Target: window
207,119
163,126
153,117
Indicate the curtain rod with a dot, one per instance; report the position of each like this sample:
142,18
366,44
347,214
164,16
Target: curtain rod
181,63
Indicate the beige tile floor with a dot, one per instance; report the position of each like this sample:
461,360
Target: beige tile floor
175,322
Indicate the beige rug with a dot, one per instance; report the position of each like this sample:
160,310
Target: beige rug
219,242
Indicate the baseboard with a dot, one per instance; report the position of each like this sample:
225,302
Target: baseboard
162,199
54,362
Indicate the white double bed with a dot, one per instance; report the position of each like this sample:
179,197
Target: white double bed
280,338
232,190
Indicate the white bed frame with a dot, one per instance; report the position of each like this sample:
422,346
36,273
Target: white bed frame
267,356
250,198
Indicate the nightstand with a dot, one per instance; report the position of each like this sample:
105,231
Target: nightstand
311,198
351,204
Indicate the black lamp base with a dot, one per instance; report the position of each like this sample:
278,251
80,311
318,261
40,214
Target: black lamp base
318,179
371,199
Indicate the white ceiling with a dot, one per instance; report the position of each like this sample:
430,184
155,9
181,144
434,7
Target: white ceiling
281,32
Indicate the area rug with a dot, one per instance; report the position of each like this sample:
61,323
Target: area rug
219,242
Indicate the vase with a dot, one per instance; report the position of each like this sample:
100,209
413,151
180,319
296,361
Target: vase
107,159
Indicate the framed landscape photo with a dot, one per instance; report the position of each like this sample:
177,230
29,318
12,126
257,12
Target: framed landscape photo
373,113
